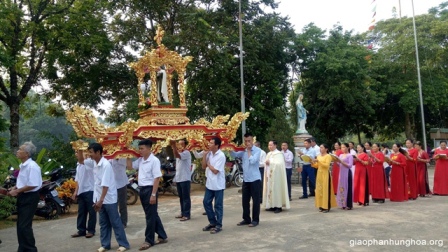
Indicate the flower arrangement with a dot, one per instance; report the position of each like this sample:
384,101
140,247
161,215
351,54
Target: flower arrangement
147,104
66,191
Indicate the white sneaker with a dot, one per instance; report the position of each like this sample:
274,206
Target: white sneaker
121,249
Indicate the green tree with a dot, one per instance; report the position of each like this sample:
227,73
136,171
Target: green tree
338,91
394,65
208,31
280,130
63,42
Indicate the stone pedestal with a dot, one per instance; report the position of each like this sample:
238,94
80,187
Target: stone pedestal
298,143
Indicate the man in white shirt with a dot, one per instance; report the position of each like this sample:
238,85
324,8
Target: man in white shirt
261,167
214,161
183,177
289,157
121,180
84,194
149,175
27,188
105,200
316,148
314,145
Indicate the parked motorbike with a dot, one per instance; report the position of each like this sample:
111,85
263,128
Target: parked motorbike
166,184
50,205
132,189
231,169
10,180
195,176
238,175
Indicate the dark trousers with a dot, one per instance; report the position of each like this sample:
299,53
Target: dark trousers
288,180
308,173
122,200
26,207
183,188
214,213
251,190
262,182
153,223
387,171
85,207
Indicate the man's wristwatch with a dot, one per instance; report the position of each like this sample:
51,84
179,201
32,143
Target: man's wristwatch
153,194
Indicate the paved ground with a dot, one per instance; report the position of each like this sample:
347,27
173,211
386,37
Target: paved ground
302,228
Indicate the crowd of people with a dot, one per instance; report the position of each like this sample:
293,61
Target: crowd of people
338,178
372,171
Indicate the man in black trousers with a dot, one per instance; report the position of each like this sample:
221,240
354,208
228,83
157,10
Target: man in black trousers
29,182
252,181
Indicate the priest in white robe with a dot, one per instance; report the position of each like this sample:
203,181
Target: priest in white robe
275,188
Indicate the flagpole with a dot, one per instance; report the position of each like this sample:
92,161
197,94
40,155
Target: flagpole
419,79
243,104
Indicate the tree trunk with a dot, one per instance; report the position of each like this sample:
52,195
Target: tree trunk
407,126
14,126
359,134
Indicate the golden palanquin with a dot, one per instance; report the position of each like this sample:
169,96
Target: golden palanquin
161,122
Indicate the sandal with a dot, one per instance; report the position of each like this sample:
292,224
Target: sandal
77,235
216,230
208,227
121,249
161,241
184,218
179,216
144,246
102,249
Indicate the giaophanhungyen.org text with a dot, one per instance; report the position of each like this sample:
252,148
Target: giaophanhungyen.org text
395,242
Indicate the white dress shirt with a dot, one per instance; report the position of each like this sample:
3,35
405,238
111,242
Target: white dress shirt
104,177
29,175
183,167
84,177
148,170
316,149
289,157
197,154
119,167
262,158
216,182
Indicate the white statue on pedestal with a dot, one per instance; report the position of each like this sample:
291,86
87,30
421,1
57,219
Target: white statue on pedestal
301,115
162,87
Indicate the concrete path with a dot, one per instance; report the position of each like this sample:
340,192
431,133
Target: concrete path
301,228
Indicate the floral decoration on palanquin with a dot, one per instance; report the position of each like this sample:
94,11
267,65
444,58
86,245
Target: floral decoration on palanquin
66,191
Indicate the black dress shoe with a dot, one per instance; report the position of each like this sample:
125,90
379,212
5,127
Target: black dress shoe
253,224
303,197
270,209
278,210
312,195
243,223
